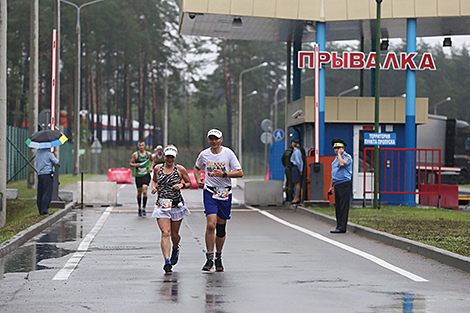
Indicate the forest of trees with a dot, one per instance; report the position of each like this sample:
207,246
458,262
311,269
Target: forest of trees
126,46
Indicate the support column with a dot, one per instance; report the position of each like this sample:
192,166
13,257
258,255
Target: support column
3,112
410,126
297,73
321,40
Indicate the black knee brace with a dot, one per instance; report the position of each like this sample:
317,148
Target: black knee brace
220,230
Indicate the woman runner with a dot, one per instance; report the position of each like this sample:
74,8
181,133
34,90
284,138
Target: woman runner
169,207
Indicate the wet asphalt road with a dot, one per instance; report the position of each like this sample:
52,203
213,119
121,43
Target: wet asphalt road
289,264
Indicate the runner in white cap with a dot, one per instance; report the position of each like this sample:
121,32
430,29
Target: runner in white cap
168,179
220,165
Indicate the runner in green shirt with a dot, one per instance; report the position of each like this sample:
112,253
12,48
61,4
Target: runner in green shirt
142,160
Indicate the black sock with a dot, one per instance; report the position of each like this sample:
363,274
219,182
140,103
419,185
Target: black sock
139,201
144,202
210,255
218,255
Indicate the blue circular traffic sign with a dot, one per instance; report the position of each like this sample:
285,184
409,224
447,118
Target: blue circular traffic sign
278,134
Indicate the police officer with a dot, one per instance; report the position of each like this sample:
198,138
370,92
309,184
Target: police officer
341,173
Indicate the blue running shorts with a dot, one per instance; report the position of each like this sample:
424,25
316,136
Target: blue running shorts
220,207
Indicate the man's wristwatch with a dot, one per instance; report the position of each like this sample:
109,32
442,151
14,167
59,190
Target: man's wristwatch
225,174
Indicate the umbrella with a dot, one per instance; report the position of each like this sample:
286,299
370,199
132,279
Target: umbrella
45,139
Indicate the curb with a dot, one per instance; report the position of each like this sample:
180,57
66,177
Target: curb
441,255
23,236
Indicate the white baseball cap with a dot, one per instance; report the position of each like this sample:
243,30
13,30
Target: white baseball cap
170,151
214,132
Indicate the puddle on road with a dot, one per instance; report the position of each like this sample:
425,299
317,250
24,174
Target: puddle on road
404,302
27,257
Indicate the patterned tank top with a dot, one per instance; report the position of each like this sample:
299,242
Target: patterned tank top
165,183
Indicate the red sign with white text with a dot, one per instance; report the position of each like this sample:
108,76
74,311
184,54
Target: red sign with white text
358,60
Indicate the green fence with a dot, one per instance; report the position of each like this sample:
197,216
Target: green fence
66,158
110,157
117,157
17,153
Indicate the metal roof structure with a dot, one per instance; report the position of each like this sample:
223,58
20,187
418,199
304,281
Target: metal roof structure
295,20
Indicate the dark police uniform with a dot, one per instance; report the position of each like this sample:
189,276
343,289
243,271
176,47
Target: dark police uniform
288,171
341,176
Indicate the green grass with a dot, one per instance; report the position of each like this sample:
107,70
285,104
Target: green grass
23,213
445,229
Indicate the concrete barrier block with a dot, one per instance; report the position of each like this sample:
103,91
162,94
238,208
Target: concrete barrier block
264,193
97,192
12,193
66,195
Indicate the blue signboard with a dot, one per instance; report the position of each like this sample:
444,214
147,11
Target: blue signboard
382,139
278,134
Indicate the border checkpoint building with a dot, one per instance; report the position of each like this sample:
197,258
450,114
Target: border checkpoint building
299,21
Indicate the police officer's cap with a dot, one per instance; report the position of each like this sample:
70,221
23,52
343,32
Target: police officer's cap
296,140
338,142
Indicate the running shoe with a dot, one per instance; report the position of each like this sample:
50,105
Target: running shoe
218,265
174,255
167,268
208,266
140,212
143,212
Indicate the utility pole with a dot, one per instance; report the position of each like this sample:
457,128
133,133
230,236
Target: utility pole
3,111
76,135
377,103
57,27
33,86
165,114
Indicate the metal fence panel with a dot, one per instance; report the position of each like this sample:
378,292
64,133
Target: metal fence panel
17,153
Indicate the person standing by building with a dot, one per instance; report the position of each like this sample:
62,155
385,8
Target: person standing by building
220,165
341,174
157,155
142,160
169,207
45,165
297,169
289,186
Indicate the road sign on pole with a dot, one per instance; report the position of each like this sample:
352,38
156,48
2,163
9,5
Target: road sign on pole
278,134
267,125
266,138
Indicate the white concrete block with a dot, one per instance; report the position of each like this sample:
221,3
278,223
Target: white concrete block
66,195
264,193
12,193
97,192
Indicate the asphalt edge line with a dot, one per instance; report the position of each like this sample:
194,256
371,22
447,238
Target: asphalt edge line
72,263
446,257
372,258
23,236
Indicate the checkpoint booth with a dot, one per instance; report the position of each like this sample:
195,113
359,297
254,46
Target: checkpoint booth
349,118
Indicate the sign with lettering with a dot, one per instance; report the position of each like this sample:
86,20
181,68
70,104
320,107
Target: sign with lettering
381,139
358,60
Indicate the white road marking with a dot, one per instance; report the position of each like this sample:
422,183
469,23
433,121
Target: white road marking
345,247
72,263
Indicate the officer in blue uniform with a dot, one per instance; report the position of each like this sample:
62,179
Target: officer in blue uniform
341,173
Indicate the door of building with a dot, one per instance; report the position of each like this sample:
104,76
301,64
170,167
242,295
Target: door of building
358,164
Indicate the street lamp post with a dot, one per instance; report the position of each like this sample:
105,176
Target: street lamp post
279,87
76,135
342,93
240,95
441,102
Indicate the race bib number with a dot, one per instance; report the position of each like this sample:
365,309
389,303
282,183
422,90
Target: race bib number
164,204
142,171
222,194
